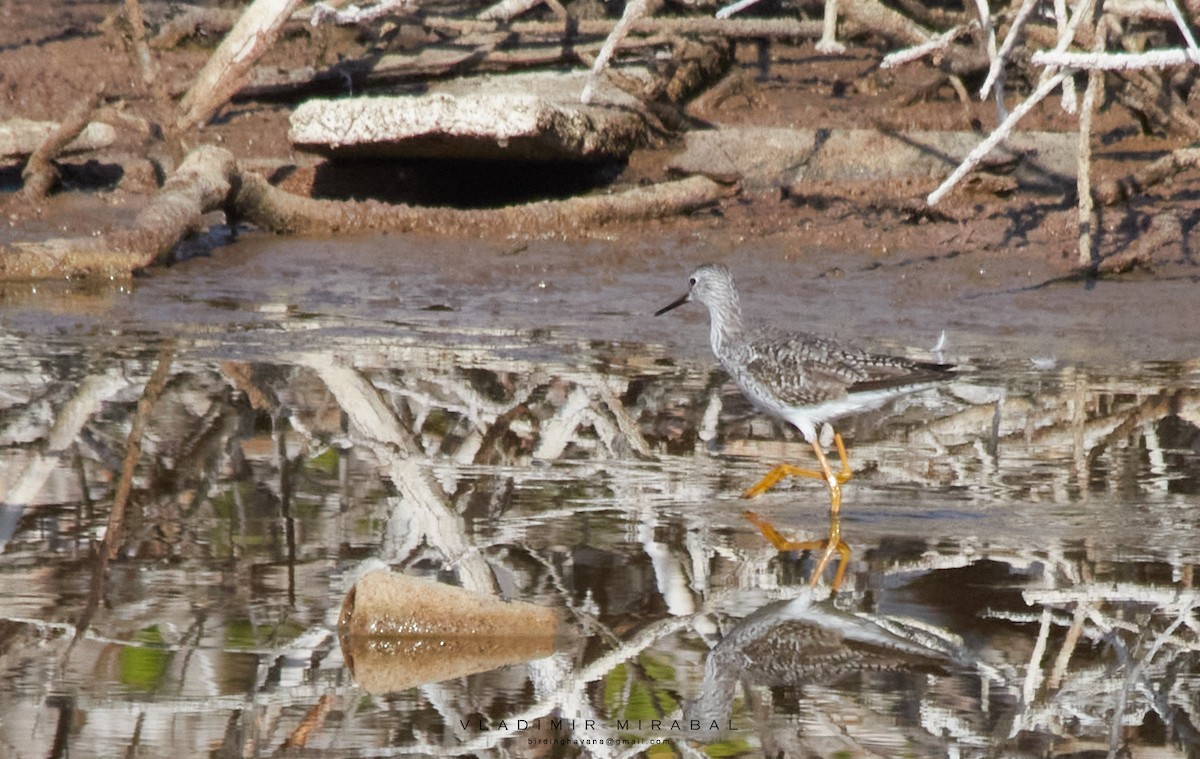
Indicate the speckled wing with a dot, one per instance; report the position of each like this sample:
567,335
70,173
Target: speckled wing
805,370
800,369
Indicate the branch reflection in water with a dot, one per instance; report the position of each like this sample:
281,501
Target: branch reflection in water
1022,565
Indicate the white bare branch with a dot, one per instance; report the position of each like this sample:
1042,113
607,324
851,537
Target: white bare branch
733,8
828,42
938,43
989,32
1117,61
634,10
325,13
1181,22
1014,33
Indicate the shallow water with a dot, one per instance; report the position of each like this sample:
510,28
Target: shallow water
513,422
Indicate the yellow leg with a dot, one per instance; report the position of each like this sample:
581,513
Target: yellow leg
777,474
833,481
831,545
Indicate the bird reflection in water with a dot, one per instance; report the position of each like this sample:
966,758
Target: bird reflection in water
834,544
805,640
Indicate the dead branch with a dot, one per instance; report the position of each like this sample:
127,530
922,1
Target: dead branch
938,45
989,35
227,68
1051,78
862,17
506,10
1103,61
1143,96
634,10
748,28
330,13
312,721
114,532
40,174
1014,33
828,43
133,451
19,138
201,184
1087,221
997,136
133,12
204,183
1164,228
1070,103
696,64
274,209
871,16
192,21
1118,190
546,44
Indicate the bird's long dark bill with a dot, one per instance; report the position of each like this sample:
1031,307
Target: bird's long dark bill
670,306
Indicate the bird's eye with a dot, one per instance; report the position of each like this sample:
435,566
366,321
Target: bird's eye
691,281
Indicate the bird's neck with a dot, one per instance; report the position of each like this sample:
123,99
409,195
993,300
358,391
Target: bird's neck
726,325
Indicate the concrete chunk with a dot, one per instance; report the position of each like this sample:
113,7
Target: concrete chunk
514,117
773,157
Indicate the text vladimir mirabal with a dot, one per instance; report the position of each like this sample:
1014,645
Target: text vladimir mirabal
630,725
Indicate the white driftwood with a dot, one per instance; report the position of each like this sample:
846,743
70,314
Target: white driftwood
994,61
325,13
1148,10
938,43
1014,33
1087,223
1117,61
226,70
828,43
1181,22
1070,102
506,10
741,28
634,10
1083,179
733,8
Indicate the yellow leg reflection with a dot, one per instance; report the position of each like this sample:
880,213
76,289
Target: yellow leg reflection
828,547
826,473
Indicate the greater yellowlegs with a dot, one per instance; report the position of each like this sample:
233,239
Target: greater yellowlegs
805,641
803,379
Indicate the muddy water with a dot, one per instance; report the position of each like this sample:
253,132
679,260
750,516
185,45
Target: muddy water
511,419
